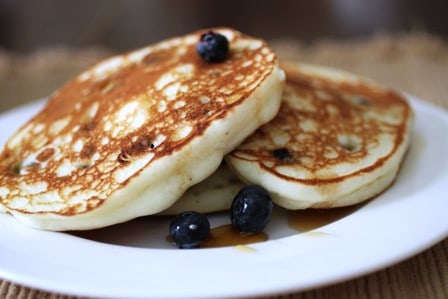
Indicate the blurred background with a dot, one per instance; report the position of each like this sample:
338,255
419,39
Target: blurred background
122,25
45,42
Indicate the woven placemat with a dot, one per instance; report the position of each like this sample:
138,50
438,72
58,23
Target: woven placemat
416,63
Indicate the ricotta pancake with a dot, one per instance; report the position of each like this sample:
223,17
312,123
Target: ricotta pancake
128,136
214,194
337,140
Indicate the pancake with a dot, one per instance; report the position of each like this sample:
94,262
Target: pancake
337,140
214,194
128,136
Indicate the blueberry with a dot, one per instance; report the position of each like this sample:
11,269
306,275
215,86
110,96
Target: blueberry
251,209
213,47
283,154
188,229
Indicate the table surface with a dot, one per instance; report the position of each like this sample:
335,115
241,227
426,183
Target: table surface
416,63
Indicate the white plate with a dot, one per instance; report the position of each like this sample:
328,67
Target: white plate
128,261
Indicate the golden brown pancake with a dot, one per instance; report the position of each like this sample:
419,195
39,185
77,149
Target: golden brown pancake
337,140
129,135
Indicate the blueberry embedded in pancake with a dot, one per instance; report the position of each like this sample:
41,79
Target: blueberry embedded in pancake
337,140
128,136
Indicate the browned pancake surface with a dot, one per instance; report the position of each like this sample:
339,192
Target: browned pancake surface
328,128
101,129
335,134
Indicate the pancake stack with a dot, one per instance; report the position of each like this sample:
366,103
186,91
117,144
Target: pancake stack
145,133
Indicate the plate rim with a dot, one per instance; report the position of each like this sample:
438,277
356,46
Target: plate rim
420,107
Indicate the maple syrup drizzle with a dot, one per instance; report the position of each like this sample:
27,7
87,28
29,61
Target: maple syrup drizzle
305,220
226,235
299,220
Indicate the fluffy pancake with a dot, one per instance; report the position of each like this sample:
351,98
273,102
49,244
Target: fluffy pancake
128,136
214,194
336,141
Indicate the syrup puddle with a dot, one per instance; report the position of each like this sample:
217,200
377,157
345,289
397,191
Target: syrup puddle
306,220
151,232
226,235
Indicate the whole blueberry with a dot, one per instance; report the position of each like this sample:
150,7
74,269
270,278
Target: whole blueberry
251,209
213,47
188,229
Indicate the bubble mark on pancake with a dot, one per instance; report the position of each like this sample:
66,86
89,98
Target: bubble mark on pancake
143,143
87,151
24,168
140,145
360,100
124,157
45,154
349,143
16,167
83,165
